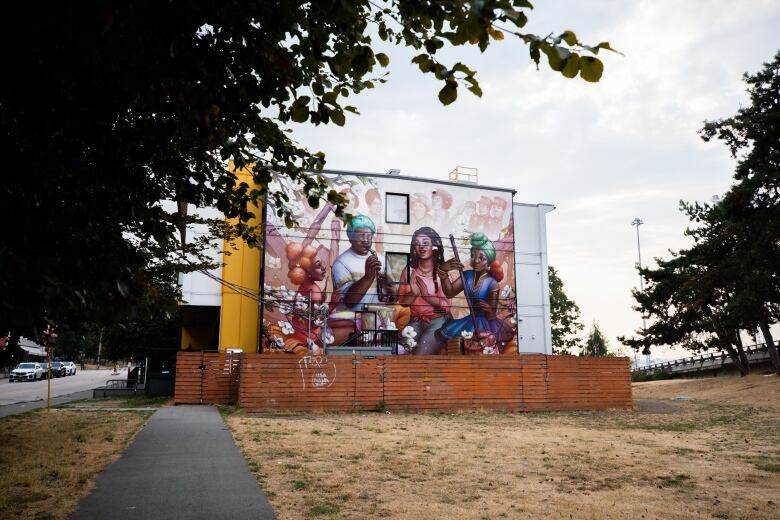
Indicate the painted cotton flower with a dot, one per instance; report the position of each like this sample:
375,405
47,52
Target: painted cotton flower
327,338
313,347
466,334
490,350
285,308
286,327
506,291
409,332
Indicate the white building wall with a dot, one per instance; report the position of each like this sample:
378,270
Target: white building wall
196,287
533,288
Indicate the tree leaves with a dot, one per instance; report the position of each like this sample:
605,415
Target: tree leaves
383,59
299,111
158,108
564,317
591,68
448,93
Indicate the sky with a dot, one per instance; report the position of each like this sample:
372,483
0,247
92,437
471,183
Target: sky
603,153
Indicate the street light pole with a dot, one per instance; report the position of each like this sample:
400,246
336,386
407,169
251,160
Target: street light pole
638,222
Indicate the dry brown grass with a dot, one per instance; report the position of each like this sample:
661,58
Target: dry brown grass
48,461
697,459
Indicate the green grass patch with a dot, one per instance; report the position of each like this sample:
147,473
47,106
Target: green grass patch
323,509
768,466
681,480
146,401
300,485
226,410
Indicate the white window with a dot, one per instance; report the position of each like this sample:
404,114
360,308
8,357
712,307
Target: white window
397,208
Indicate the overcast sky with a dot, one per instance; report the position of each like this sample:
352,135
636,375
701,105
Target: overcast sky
602,153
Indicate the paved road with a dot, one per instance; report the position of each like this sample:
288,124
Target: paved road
182,465
27,391
13,409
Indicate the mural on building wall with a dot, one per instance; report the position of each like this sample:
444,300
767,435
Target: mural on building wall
422,268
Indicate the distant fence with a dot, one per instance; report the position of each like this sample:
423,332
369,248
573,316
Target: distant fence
280,382
756,354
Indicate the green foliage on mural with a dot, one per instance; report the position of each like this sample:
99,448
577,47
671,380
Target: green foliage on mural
564,317
114,107
727,282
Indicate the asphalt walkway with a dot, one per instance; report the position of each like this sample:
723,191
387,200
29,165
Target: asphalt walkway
182,465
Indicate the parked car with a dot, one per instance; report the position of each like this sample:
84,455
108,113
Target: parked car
45,368
58,369
70,368
26,372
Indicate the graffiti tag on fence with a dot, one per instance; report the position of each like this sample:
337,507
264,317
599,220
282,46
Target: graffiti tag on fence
320,372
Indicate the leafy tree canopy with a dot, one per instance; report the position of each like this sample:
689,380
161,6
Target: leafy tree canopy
109,108
564,317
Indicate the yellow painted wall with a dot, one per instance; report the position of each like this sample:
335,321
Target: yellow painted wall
239,319
196,337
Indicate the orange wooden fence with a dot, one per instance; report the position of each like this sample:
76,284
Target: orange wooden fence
527,382
206,377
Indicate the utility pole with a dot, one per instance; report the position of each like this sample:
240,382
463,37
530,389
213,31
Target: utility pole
48,333
638,222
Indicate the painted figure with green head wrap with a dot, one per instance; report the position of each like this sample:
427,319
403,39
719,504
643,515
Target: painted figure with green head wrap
482,289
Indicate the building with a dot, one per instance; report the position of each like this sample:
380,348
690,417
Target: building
317,298
533,286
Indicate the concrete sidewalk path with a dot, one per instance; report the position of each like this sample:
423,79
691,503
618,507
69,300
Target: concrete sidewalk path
182,465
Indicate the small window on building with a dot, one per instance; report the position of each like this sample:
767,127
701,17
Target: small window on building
397,208
395,265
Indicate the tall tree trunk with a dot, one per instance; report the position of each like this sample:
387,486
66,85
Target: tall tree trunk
728,346
770,346
742,354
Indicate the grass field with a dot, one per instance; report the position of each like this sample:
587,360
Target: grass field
49,460
716,455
